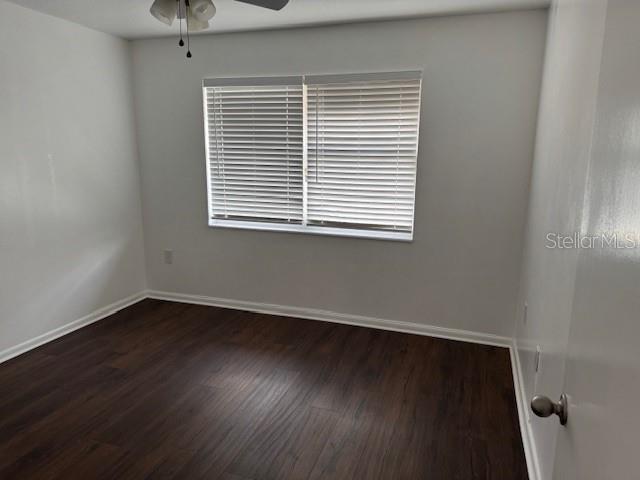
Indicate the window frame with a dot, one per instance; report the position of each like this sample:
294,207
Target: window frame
350,232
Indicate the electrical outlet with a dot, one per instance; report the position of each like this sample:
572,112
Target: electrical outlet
168,257
525,311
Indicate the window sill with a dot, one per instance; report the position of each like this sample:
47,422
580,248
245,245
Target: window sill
313,230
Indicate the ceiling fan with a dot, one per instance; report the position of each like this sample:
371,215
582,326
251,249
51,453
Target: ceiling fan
197,13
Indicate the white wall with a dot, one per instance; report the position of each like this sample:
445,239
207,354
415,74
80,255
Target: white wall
481,85
70,220
567,112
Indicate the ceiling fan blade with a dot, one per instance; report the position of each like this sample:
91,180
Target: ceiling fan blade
271,4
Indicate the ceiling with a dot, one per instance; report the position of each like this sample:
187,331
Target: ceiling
131,19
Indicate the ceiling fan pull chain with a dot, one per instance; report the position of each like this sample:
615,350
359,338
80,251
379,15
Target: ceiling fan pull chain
186,14
181,42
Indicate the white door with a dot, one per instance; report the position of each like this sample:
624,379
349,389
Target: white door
602,370
559,177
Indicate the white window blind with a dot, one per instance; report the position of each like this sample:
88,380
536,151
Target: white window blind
362,148
318,154
255,152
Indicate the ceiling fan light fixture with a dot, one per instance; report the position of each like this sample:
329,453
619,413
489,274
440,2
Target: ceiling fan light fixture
203,10
195,24
165,10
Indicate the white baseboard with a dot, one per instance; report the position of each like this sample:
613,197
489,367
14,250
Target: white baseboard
99,314
300,312
327,316
522,402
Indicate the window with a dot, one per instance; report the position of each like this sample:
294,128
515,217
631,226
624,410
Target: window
332,154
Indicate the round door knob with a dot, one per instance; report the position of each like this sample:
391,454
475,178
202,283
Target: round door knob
544,407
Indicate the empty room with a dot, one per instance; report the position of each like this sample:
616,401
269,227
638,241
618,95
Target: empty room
319,239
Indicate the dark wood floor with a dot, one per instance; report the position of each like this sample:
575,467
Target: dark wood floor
167,390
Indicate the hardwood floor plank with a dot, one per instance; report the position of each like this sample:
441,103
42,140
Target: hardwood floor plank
164,390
